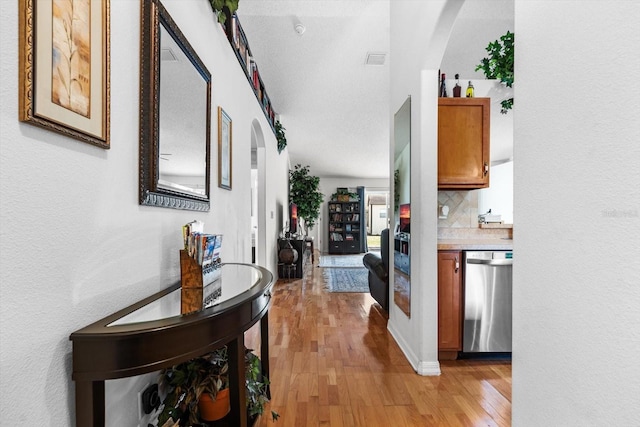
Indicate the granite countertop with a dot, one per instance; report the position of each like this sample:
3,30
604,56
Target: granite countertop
475,244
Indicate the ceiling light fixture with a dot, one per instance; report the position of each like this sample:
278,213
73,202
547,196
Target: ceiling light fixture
298,27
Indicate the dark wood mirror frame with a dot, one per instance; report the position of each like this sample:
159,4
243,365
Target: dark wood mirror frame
154,15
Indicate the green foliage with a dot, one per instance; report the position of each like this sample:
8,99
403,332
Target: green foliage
187,381
352,196
256,386
499,64
219,5
304,192
280,136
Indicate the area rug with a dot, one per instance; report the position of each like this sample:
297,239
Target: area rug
342,261
346,279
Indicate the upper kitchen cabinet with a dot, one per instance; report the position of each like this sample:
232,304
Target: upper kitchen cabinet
463,143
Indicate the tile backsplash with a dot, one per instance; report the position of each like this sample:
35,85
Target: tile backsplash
463,209
462,221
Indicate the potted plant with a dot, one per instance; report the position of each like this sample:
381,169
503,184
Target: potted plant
257,387
196,389
344,195
499,64
304,192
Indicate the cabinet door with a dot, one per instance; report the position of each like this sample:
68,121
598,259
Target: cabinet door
463,143
449,301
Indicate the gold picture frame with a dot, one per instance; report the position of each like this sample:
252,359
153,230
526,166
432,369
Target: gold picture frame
224,149
64,71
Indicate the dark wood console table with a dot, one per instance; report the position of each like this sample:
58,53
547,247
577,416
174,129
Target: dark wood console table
151,335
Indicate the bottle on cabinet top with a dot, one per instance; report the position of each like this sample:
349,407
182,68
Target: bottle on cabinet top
443,87
470,90
457,88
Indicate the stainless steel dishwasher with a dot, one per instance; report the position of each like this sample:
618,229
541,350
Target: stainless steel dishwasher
487,301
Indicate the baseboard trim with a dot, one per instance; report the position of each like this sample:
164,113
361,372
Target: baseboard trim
424,368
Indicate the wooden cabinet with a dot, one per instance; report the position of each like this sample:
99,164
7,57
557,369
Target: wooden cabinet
345,227
449,304
463,143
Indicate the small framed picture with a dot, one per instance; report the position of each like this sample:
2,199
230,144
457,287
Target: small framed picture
64,67
224,149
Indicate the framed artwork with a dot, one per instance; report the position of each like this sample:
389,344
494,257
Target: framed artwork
224,149
64,67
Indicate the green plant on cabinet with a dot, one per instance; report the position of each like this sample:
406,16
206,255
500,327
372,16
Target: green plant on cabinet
499,64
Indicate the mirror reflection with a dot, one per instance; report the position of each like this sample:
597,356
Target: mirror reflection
183,110
175,116
402,206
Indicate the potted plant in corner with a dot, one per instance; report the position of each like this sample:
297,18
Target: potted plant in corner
304,192
196,389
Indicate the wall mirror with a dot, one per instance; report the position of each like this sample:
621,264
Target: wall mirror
402,206
175,116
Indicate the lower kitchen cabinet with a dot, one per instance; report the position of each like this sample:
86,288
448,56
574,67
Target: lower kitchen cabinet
449,304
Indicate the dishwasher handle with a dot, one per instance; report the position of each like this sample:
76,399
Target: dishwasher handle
494,262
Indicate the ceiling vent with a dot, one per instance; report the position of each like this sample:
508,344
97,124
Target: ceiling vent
375,58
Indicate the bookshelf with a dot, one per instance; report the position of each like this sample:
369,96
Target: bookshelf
238,41
345,227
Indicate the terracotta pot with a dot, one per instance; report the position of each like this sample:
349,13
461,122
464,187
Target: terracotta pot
212,410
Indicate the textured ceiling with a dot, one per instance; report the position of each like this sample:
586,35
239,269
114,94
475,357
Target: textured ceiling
333,106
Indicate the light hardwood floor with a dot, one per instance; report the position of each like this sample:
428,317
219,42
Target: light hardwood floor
333,363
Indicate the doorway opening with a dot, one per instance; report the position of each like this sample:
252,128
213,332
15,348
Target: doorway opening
377,214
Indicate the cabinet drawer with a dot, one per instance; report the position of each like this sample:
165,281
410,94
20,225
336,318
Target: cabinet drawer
260,303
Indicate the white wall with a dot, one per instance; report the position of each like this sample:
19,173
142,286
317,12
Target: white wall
576,283
419,34
76,245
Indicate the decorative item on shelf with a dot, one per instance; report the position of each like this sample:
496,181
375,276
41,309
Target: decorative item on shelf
280,137
457,89
499,65
187,384
344,195
224,9
304,192
199,268
443,86
257,387
288,254
470,90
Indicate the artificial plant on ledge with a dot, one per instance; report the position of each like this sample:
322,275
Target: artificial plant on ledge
499,64
280,136
218,7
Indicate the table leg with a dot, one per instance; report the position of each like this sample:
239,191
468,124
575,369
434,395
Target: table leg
264,348
237,390
90,403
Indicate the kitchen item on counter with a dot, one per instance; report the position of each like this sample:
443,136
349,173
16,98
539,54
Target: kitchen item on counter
487,301
488,217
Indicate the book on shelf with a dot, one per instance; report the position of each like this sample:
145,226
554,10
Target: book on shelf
336,237
349,237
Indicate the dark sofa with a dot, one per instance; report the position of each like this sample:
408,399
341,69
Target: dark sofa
378,267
